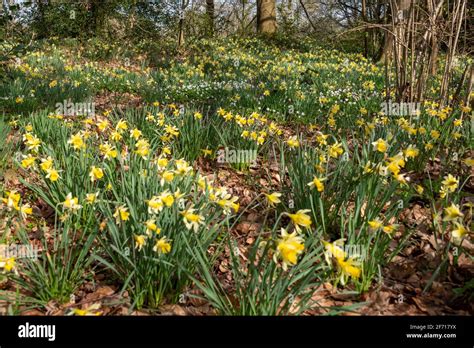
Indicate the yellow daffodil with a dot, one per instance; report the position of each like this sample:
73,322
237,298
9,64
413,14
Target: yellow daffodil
375,224
12,199
411,152
155,205
273,198
435,134
161,163
293,142
192,220
162,246
135,133
167,198
152,227
142,148
121,126
71,203
167,176
206,152
289,247
389,229
334,249
108,151
335,150
419,189
46,163
452,213
140,241
52,174
450,183
77,141
96,173
172,130
318,184
380,145
28,161
349,268
32,142
469,162
92,197
300,218
89,311
182,167
121,214
102,125
8,264
116,136
229,203
25,210
458,233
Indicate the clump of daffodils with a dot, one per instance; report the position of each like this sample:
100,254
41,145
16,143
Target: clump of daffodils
454,216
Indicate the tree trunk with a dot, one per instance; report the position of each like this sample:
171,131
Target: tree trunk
184,4
210,16
366,33
266,16
398,17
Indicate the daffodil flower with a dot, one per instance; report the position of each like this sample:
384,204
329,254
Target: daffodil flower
77,141
458,233
162,246
92,197
12,199
293,142
96,173
28,161
140,241
335,150
121,214
273,198
86,312
25,210
375,224
192,220
155,205
317,183
450,183
380,145
8,264
289,247
151,227
52,174
300,218
452,213
135,133
71,203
